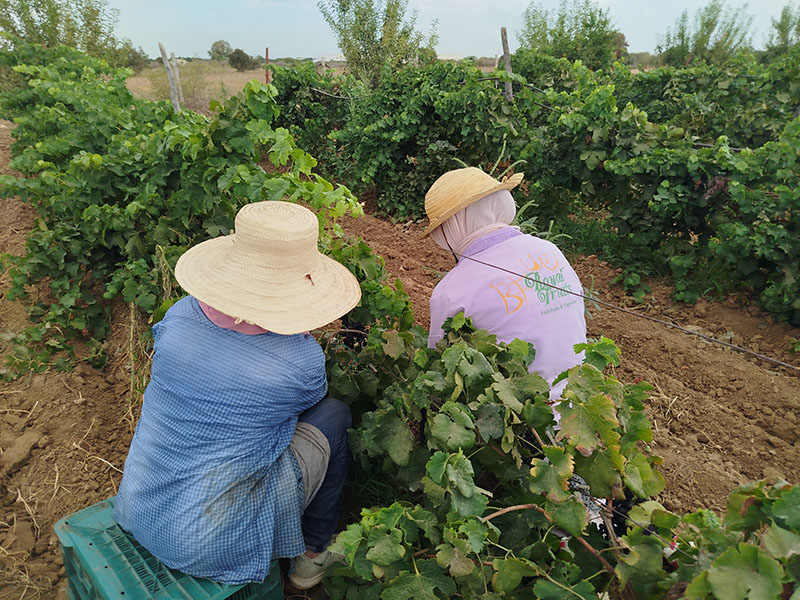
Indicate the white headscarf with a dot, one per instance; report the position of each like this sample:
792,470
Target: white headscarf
488,214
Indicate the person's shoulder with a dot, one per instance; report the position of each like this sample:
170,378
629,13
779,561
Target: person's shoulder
300,349
178,313
539,245
446,283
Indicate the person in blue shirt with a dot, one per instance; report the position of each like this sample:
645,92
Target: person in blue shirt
238,457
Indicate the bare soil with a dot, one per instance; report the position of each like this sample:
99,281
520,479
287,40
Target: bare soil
721,418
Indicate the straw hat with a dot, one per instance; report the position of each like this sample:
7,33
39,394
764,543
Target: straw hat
270,272
458,189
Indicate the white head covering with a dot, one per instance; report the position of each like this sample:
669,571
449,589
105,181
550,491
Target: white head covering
488,214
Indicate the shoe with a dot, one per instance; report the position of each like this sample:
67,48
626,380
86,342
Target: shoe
308,572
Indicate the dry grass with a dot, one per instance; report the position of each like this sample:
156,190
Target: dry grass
201,81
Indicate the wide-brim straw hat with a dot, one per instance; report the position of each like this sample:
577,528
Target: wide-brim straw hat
455,190
269,272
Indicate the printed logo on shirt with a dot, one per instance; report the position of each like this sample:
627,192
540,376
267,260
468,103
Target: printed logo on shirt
541,275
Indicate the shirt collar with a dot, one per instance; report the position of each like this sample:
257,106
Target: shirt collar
490,239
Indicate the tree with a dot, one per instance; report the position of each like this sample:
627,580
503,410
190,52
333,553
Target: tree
580,29
242,61
374,33
220,50
87,25
718,33
785,32
620,47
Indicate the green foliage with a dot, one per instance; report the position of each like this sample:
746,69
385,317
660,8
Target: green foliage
455,431
309,108
478,412
373,34
242,61
220,50
87,25
785,32
412,128
619,150
716,35
579,30
122,187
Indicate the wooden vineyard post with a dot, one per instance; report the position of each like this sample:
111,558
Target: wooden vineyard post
268,73
173,90
507,58
174,64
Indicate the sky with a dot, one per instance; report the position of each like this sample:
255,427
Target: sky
296,27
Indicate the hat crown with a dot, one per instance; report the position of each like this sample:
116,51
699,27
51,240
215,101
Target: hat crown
457,189
281,235
453,186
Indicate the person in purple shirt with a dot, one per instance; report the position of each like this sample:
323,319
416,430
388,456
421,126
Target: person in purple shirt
512,284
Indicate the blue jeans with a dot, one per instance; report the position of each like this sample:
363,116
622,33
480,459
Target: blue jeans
321,517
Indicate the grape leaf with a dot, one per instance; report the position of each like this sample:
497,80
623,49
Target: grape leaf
532,384
537,414
348,542
746,572
451,357
549,590
786,509
602,472
522,350
397,438
436,465
421,585
589,424
426,521
642,563
474,367
551,477
469,506
583,382
509,573
781,543
387,546
641,478
476,533
571,516
460,474
507,393
453,427
393,346
490,422
453,556
600,354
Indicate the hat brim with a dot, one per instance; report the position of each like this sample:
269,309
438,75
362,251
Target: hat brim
269,298
508,184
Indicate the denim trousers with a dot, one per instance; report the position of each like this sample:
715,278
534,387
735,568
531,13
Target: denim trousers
321,516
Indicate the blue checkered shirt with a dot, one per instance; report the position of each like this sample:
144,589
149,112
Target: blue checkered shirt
210,486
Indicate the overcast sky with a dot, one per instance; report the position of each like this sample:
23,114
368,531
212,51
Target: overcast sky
296,27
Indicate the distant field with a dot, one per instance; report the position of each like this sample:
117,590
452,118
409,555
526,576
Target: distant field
201,82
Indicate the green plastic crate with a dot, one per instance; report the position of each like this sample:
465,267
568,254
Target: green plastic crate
103,562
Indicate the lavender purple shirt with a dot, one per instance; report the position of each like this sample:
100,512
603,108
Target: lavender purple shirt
517,306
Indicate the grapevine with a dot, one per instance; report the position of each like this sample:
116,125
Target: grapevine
487,486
